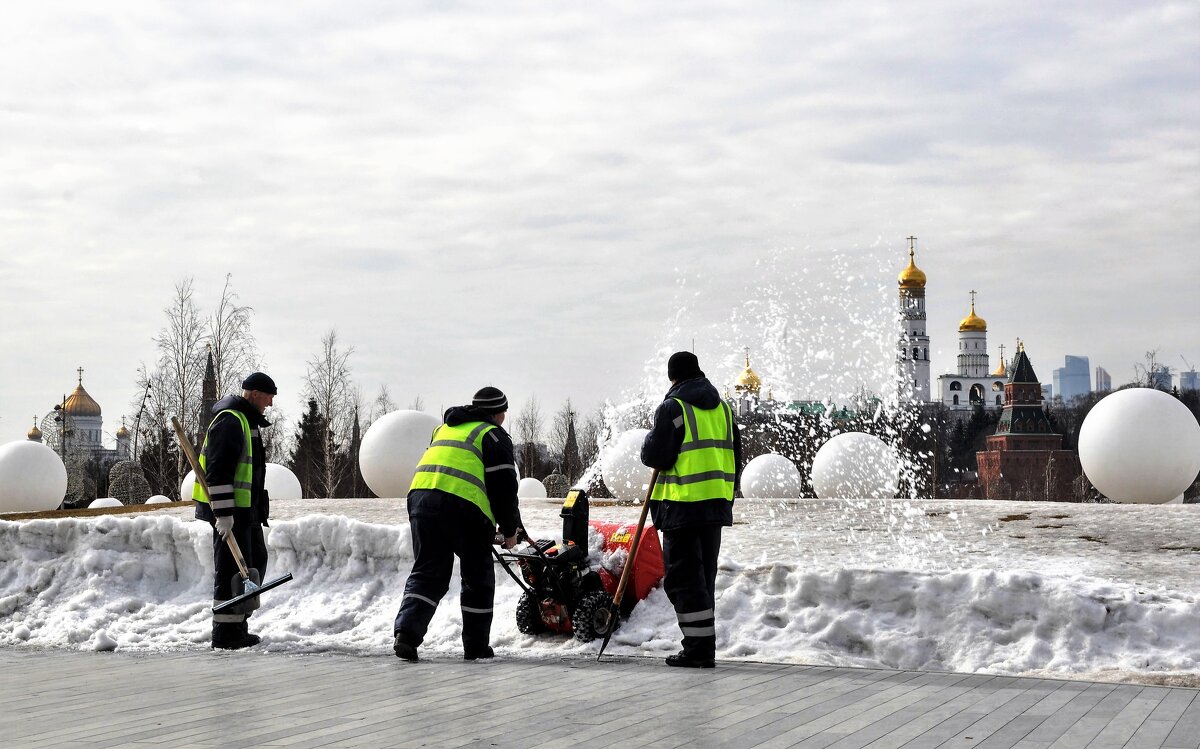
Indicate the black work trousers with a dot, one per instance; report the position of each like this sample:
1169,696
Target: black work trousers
460,529
248,532
690,558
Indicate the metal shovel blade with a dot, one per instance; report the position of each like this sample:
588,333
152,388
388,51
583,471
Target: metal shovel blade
252,591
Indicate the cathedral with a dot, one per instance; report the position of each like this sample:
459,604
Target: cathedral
972,384
80,426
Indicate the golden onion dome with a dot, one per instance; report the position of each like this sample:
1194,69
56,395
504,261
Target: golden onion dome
972,322
1000,370
79,403
912,277
34,434
122,433
748,381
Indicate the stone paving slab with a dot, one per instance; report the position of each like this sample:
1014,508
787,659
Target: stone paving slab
252,699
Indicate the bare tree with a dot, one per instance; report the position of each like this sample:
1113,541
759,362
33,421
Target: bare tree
235,352
527,430
418,404
564,442
327,382
1151,373
383,404
180,367
589,438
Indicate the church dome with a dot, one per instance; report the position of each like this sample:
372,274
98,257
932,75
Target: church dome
79,403
122,433
912,277
34,434
1000,370
748,381
972,322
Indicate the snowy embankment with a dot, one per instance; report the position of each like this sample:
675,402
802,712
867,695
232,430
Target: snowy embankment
866,585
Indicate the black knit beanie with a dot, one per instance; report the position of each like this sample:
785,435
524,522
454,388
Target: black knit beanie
260,382
683,365
490,400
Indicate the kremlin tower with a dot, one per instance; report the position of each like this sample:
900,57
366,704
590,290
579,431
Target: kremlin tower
912,356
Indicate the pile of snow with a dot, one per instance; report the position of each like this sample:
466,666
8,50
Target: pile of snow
990,587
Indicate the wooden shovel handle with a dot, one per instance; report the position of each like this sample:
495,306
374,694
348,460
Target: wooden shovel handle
186,445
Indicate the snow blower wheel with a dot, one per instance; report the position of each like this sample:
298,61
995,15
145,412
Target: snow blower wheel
529,615
591,616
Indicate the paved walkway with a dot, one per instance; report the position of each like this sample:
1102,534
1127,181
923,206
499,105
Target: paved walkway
203,699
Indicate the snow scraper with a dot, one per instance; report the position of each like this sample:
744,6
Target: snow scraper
249,577
614,611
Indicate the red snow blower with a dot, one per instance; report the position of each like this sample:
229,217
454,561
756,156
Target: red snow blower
562,593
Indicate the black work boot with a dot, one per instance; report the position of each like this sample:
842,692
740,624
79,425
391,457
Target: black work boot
478,653
233,636
404,650
683,660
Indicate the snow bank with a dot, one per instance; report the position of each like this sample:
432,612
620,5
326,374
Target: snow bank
144,582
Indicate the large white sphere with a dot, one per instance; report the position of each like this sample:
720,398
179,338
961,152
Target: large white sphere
158,499
391,449
185,489
621,466
855,465
281,483
771,475
104,502
531,488
1140,445
32,477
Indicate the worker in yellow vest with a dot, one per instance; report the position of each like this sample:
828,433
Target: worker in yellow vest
696,446
235,466
464,490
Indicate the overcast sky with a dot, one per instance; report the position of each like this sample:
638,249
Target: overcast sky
547,196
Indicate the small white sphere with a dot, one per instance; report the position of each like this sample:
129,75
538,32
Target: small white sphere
855,465
621,466
391,449
104,502
1140,445
158,499
281,483
185,489
32,477
771,475
531,488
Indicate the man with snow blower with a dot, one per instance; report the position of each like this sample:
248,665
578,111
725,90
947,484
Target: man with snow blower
464,489
696,446
234,464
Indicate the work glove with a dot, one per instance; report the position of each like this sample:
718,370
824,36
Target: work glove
224,525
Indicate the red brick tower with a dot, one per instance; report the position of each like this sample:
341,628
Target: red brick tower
1024,458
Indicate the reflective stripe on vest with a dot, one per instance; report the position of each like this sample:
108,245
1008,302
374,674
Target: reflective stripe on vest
243,476
453,463
705,468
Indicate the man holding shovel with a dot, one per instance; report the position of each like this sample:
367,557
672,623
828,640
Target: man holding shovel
696,446
234,463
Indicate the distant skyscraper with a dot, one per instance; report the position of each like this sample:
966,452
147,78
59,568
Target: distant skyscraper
1189,380
1074,379
1103,380
1161,378
1047,391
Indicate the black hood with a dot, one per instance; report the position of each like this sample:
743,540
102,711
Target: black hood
238,403
456,415
698,391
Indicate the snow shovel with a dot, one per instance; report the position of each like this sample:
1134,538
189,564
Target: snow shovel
250,588
610,622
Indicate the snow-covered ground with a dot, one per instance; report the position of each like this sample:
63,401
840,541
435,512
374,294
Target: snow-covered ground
1100,591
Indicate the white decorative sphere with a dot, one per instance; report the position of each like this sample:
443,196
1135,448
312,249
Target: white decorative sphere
104,502
771,475
855,465
32,477
391,449
531,488
281,483
185,489
621,466
1140,445
158,499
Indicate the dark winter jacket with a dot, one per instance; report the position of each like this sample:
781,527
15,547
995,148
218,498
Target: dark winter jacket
500,475
223,450
661,449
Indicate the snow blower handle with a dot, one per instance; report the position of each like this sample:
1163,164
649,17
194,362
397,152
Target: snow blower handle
614,611
186,445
